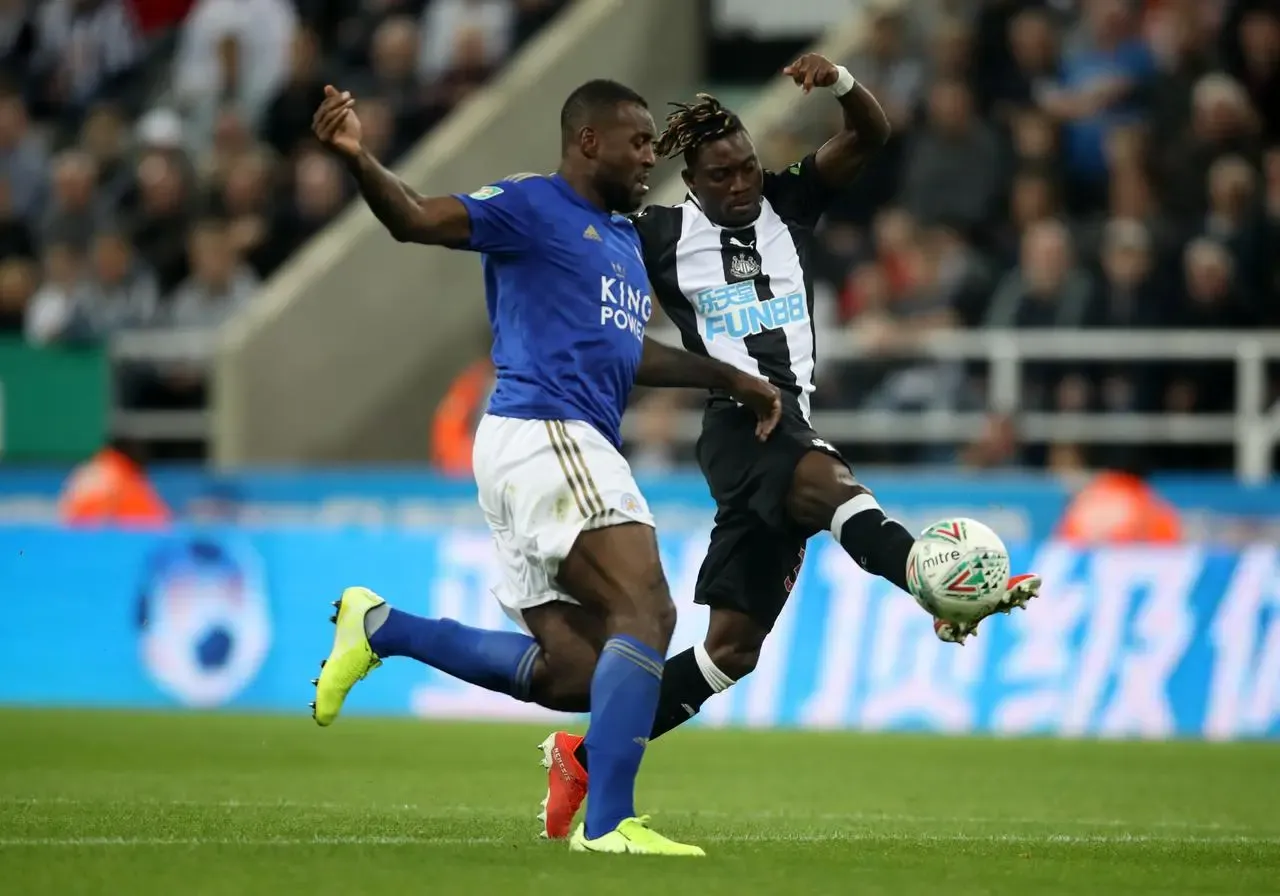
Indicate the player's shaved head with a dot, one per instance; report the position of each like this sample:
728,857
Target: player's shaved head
593,102
606,144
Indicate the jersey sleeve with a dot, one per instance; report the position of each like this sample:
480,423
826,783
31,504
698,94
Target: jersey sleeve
797,193
502,218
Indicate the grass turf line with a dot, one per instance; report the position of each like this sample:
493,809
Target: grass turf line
99,802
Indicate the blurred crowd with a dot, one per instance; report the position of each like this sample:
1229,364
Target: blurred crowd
1075,164
156,161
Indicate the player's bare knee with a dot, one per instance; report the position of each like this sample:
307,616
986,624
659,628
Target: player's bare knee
733,642
647,614
562,682
820,486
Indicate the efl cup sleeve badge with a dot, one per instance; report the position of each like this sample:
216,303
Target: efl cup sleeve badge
205,625
486,193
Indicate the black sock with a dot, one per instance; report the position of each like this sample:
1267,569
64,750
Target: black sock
876,543
684,690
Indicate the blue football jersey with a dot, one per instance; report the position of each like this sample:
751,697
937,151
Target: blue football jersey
568,301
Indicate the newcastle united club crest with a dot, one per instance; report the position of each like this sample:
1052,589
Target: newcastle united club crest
744,267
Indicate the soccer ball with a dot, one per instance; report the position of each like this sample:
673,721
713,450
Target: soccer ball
958,569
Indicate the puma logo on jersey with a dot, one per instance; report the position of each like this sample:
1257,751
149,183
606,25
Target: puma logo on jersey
734,241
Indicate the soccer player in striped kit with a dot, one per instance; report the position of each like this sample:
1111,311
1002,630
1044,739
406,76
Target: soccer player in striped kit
729,266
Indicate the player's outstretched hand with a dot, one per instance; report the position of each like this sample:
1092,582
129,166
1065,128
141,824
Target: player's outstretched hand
762,397
812,70
335,124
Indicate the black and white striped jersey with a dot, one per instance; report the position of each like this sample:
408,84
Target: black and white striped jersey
743,296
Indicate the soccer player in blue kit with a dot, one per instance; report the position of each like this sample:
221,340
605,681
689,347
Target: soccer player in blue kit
568,300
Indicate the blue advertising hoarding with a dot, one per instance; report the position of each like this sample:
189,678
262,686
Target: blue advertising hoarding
1021,507
1135,642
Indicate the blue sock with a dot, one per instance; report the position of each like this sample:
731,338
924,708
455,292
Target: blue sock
498,661
624,697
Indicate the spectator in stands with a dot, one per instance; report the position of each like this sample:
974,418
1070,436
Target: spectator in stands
896,77
1185,52
288,118
319,193
121,291
1102,81
953,165
1222,123
57,310
1131,295
23,160
86,50
1033,67
18,281
995,448
245,200
75,209
951,51
1211,299
1271,209
220,283
395,74
492,22
353,36
15,236
1234,218
1033,197
379,132
468,70
163,218
102,138
232,52
1047,288
233,139
17,39
1252,45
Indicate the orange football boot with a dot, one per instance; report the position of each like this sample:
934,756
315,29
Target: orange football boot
1020,590
566,784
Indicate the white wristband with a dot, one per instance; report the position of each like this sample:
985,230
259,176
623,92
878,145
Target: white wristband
844,81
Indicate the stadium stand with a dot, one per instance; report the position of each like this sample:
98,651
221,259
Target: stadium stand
156,164
1088,168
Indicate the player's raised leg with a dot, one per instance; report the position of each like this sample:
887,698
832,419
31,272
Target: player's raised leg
369,630
824,495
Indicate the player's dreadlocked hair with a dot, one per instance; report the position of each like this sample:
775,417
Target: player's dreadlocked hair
693,124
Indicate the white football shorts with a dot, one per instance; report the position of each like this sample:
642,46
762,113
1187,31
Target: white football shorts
542,482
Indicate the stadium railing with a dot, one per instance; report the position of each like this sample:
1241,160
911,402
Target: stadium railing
1253,428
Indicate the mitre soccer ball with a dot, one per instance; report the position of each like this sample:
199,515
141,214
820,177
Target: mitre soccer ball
958,570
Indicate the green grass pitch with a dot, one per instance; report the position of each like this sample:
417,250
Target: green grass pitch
115,803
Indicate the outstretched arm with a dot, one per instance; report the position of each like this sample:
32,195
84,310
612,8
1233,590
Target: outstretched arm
665,367
866,127
408,216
